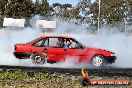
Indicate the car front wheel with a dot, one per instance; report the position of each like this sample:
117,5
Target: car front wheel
98,61
38,58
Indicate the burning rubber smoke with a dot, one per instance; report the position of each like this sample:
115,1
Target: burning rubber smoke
116,42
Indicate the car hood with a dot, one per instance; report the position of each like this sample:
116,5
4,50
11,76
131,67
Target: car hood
95,48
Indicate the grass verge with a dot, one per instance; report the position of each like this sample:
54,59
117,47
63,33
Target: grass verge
23,79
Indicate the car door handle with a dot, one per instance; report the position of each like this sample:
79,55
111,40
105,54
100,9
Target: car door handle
45,49
65,49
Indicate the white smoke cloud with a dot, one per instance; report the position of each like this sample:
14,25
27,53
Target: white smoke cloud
8,37
116,42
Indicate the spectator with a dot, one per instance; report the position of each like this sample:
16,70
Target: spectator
66,44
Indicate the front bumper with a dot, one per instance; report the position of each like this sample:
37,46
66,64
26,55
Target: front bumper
110,59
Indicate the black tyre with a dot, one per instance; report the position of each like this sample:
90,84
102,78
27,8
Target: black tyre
38,58
85,82
98,61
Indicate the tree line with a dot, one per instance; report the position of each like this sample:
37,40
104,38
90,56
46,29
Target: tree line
84,12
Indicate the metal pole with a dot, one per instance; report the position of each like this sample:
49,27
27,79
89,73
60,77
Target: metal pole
125,29
99,18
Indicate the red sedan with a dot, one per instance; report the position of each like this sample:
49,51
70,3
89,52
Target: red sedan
59,48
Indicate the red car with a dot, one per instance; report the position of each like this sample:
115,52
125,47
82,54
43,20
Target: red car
59,48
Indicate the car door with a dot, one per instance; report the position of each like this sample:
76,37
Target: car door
54,51
78,53
49,46
40,46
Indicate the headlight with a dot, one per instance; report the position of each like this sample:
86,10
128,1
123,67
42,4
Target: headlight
112,54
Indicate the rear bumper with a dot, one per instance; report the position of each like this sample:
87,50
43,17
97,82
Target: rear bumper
22,55
110,59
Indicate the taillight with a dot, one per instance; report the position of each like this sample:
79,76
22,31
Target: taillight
15,47
112,54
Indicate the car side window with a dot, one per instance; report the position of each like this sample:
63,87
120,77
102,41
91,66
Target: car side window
75,44
41,43
38,43
65,43
70,43
45,42
54,42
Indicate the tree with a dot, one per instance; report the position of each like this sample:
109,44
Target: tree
62,10
66,8
42,8
57,9
83,12
19,9
113,11
3,4
75,12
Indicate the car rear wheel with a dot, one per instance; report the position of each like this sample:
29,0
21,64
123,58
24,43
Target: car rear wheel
98,61
38,58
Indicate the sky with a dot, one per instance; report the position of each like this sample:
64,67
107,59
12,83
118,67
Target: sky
73,2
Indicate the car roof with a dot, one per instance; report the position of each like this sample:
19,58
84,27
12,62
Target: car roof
57,36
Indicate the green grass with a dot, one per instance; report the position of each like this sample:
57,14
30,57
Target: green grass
13,74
